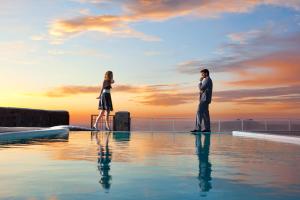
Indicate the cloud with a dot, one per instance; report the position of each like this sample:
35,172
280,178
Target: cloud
90,1
79,52
161,95
169,99
265,57
286,95
174,94
153,10
85,11
71,90
166,9
243,37
107,24
281,68
40,37
49,38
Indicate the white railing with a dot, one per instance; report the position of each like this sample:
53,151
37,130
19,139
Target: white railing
186,124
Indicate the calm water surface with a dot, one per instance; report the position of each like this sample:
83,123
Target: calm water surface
141,165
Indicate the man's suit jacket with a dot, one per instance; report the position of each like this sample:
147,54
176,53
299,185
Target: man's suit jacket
206,86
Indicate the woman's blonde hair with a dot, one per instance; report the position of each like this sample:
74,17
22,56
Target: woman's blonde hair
108,76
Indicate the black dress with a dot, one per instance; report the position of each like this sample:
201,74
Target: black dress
105,102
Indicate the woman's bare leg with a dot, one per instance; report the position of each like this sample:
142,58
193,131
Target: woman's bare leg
107,120
101,113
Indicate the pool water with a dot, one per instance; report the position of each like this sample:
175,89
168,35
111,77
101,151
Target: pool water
145,165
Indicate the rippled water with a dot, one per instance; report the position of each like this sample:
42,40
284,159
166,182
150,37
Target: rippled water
141,165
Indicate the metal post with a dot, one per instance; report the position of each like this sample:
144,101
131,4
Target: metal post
92,121
290,126
151,124
242,121
173,125
219,126
266,126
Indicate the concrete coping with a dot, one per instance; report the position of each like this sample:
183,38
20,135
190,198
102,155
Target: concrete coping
58,132
269,137
16,129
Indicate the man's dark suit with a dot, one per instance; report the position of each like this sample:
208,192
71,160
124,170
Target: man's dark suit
205,87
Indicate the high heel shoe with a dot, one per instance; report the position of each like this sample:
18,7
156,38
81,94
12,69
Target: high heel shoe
107,129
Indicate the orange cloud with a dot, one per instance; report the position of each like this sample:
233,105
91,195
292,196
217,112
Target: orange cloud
169,99
91,1
107,24
163,10
279,95
71,90
256,58
282,68
170,95
153,10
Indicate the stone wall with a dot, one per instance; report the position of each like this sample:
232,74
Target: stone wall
22,117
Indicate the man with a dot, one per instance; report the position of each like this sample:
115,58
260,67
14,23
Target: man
205,87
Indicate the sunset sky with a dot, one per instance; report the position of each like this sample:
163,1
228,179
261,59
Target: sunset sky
54,53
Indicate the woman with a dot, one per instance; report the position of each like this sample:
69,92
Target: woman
105,102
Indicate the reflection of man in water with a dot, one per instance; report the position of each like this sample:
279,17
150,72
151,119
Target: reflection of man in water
204,164
104,159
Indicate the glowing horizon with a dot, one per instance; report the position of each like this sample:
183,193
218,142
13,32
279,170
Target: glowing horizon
54,55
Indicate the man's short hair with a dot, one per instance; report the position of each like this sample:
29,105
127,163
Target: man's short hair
205,71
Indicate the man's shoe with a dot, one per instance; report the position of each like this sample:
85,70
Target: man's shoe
206,131
195,131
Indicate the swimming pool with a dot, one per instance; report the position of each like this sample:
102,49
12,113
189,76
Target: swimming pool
146,165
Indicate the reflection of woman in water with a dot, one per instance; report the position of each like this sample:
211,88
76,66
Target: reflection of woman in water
105,102
104,159
204,175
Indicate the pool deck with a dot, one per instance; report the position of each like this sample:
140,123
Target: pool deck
268,136
19,129
12,135
16,129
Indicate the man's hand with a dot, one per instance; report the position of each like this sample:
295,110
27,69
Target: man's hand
98,97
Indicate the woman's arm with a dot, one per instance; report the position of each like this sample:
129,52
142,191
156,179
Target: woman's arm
204,84
100,92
